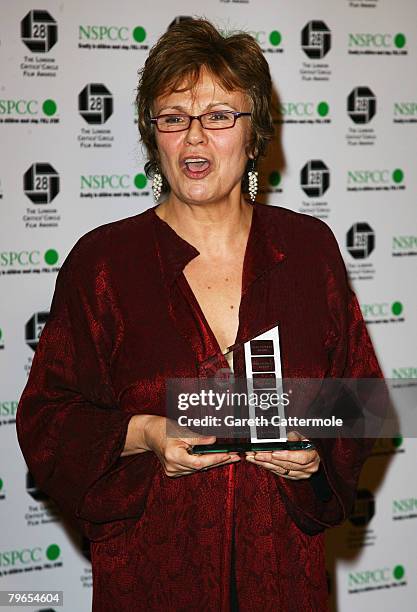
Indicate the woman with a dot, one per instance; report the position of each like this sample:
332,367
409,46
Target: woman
161,295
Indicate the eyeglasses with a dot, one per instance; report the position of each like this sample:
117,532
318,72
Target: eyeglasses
215,120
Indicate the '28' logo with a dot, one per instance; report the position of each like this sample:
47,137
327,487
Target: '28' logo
39,31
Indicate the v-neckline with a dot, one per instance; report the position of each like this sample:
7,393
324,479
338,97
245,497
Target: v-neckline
196,303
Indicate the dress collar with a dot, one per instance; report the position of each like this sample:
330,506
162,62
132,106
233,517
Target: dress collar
262,250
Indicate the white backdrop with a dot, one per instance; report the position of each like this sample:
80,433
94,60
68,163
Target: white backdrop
346,112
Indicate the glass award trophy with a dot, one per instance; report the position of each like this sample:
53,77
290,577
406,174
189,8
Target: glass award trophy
255,419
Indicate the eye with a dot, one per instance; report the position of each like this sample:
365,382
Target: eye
219,116
172,119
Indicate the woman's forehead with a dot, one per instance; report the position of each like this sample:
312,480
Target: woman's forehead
206,89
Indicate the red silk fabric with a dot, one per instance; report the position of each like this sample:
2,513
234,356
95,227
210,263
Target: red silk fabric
120,324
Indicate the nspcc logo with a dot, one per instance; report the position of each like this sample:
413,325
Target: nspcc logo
404,508
361,105
403,246
26,258
377,43
376,578
405,112
315,178
375,179
41,183
113,185
316,39
18,111
403,372
111,33
301,112
383,312
39,31
8,408
25,261
34,328
360,240
95,103
25,559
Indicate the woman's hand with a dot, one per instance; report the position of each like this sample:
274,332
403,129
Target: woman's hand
290,464
173,452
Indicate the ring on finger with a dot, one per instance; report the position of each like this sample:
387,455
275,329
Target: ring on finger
286,472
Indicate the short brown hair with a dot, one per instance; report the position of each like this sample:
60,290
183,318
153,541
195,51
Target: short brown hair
236,61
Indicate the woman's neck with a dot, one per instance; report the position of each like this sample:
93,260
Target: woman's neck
211,228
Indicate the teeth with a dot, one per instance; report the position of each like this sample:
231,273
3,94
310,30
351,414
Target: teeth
193,160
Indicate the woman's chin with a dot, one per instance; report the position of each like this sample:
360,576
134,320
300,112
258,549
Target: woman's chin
198,194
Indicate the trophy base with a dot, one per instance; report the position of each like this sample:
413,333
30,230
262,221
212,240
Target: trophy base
242,447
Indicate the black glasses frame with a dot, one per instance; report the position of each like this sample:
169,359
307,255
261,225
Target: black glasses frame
235,114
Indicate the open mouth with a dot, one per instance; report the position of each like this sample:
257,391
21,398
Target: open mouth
196,167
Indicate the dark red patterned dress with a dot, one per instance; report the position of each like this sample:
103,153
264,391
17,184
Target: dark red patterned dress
120,324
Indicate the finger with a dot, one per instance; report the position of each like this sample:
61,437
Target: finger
179,457
208,461
178,451
171,473
285,473
295,436
263,455
212,467
202,466
301,457
198,439
197,462
288,465
271,458
307,469
278,458
174,470
178,464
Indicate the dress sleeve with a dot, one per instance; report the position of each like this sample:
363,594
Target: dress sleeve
351,356
70,427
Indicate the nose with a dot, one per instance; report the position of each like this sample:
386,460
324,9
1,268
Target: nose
196,133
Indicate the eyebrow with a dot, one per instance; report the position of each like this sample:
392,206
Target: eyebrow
182,109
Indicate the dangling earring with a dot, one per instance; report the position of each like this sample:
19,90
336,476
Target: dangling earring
253,181
157,185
